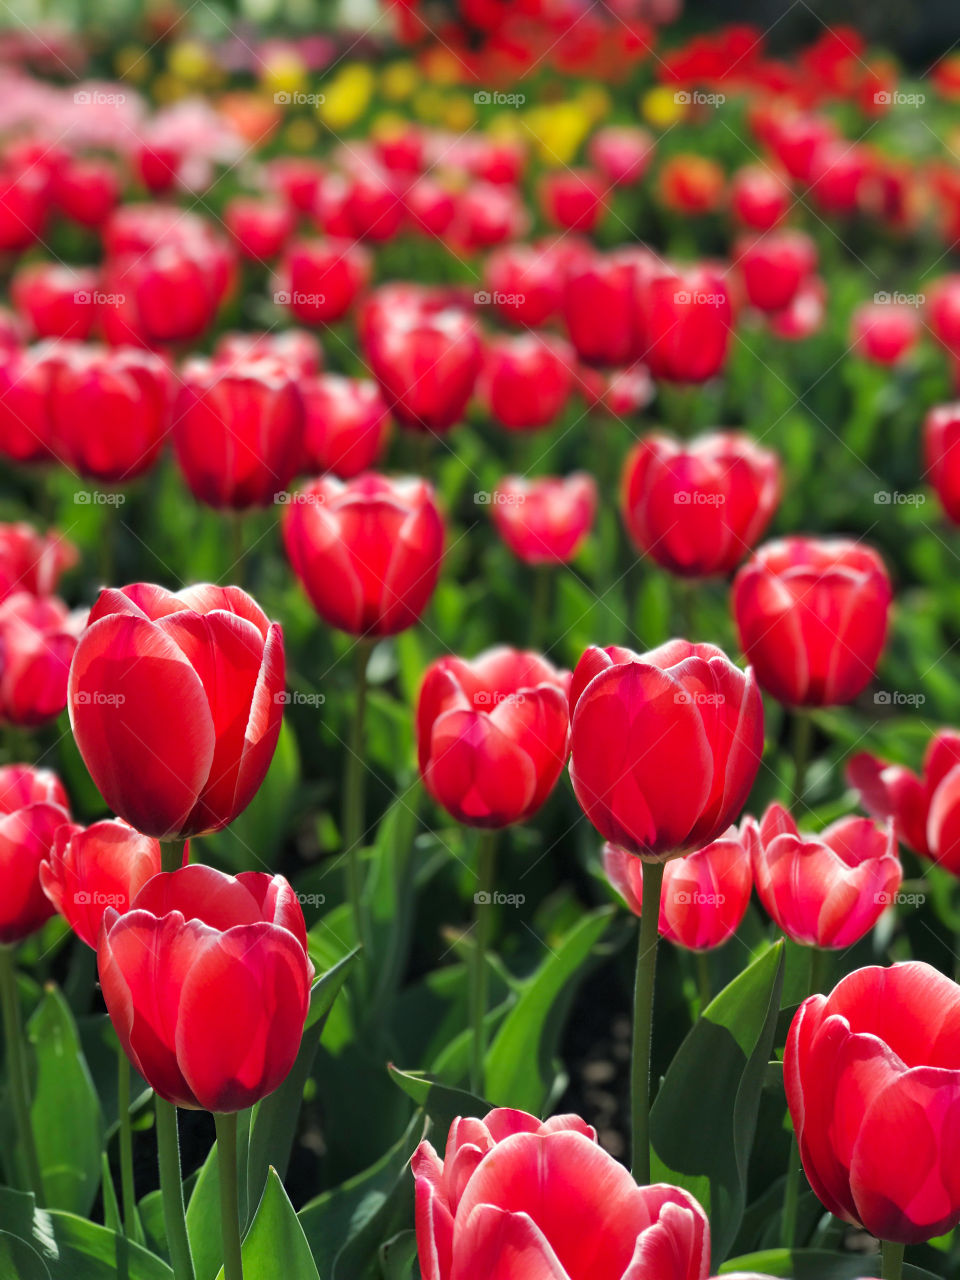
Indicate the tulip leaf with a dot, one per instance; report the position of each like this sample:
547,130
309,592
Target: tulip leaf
203,1219
391,894
275,1244
260,829
815,1264
532,1028
441,1103
398,1255
703,1121
65,1110
274,1124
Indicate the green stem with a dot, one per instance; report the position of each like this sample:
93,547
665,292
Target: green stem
171,854
237,548
643,1019
17,1070
353,795
171,1190
229,1196
483,915
540,606
802,741
703,980
125,1140
892,1260
244,1120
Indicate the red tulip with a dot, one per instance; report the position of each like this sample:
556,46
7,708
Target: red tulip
297,349
372,205
812,616
87,190
698,508
513,1192
525,283
224,959
689,183
431,206
600,306
32,561
158,166
664,746
238,431
825,890
298,180
805,314
528,379
943,312
872,1074
367,551
56,301
207,651
687,319
90,869
492,735
486,215
884,333
759,197
796,140
26,429
260,228
620,392
926,810
426,364
24,205
774,266
622,153
33,805
941,440
705,895
322,278
839,171
572,199
545,520
37,642
347,424
111,411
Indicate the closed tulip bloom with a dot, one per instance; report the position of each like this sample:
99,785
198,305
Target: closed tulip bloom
812,614
511,1191
545,520
367,551
260,228
705,894
872,1073
943,311
941,444
33,806
492,734
297,349
691,184
207,651
430,205
621,153
32,561
238,431
698,508
56,301
111,411
525,283
759,198
665,746
528,380
426,364
298,179
224,960
805,314
87,190
321,279
167,294
620,392
38,637
26,425
773,267
687,318
347,424
572,199
486,214
89,869
884,333
825,890
926,810
600,307
24,205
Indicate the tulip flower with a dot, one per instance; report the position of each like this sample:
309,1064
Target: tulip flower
620,392
90,869
826,890
298,181
26,428
545,520
297,349
426,364
600,306
941,442
486,214
805,314
759,197
38,637
773,266
33,806
56,301
528,380
622,154
525,283
320,279
691,184
260,228
211,653
32,561
884,334
795,141
24,205
111,410
347,424
430,207
872,1074
367,551
235,984
372,205
943,312
238,431
166,294
572,199
87,190
839,172
926,810
705,894
812,616
698,508
687,319
512,1191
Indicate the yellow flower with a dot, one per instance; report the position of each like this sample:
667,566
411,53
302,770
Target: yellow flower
284,73
398,81
443,67
346,97
301,134
663,106
558,131
596,102
167,89
187,60
132,62
429,105
460,113
506,126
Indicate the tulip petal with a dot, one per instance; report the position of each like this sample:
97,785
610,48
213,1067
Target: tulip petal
505,1246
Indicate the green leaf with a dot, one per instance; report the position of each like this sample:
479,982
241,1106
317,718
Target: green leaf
111,1209
262,826
203,1219
274,1124
391,894
275,1244
703,1121
398,1255
532,1028
441,1103
65,1109
815,1264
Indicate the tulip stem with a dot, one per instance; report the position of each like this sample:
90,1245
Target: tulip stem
353,795
703,980
892,1260
643,1019
802,741
540,607
17,1071
483,908
229,1196
171,1190
171,854
125,1142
